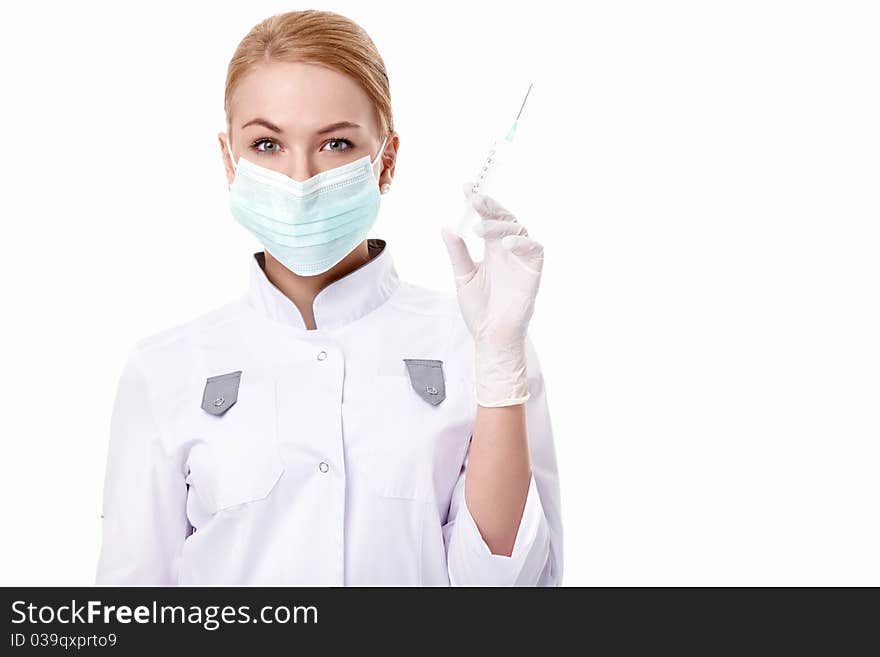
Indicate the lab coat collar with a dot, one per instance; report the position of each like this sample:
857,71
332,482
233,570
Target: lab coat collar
341,302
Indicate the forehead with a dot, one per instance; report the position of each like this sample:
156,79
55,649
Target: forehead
300,97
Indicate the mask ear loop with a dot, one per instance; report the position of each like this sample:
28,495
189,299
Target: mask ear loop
231,157
381,151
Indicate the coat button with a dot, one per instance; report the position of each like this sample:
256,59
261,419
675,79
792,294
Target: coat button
323,467
322,355
219,401
431,390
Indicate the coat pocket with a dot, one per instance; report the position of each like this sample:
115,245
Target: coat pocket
236,458
409,417
427,379
221,392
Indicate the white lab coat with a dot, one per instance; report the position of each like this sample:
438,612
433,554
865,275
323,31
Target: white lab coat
329,468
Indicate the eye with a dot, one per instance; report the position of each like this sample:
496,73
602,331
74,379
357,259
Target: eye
268,142
336,143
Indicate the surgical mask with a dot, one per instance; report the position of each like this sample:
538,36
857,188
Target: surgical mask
308,226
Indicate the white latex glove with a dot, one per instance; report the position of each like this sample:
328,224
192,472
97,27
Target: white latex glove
497,298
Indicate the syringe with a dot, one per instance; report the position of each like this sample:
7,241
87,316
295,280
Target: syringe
497,152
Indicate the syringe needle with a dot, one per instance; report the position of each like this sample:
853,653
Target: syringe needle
515,123
524,101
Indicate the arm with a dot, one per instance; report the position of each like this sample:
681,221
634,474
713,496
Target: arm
144,499
498,474
502,534
506,535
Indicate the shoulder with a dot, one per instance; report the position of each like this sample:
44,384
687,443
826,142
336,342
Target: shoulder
168,364
419,300
197,328
434,310
171,353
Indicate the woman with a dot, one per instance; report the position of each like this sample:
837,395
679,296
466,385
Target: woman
335,425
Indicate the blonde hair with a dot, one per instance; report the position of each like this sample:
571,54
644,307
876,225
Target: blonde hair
316,37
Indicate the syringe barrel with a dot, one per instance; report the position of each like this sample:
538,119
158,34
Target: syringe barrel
482,181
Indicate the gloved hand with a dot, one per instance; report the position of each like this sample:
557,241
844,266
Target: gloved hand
497,298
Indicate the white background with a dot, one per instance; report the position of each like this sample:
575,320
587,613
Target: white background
704,177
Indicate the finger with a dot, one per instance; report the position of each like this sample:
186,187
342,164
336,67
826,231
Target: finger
485,204
489,208
462,263
495,229
522,245
525,248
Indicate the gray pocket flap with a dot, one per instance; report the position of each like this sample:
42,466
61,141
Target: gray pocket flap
427,379
221,393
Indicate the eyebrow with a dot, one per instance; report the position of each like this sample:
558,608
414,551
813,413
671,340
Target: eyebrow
263,122
274,128
338,126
